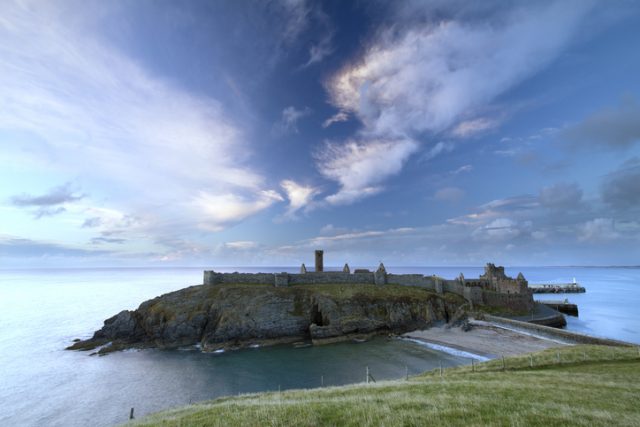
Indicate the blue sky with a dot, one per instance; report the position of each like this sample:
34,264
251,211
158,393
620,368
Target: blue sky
156,133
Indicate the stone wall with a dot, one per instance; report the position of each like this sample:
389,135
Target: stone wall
516,302
212,278
453,286
474,295
470,290
427,282
311,278
570,336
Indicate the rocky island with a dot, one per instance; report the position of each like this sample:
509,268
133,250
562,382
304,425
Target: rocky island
235,310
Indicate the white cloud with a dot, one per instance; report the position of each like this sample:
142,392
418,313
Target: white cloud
427,77
288,122
474,127
116,125
299,196
500,229
462,169
323,48
359,167
340,116
241,245
357,235
296,14
216,211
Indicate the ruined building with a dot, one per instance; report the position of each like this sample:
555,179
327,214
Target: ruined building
493,288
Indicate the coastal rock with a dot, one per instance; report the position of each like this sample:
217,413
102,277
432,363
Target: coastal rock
234,316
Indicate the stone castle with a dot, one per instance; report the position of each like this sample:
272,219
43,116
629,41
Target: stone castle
493,288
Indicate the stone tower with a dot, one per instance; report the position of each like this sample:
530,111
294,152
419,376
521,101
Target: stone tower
319,260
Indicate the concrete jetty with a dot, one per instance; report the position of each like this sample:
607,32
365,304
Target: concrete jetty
557,288
562,306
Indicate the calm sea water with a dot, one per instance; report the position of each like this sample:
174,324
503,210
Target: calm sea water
42,311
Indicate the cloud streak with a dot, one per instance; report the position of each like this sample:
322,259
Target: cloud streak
55,196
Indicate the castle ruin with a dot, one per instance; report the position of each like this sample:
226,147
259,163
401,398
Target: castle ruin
493,288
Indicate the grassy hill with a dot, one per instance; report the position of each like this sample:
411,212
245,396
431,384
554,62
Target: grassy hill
580,385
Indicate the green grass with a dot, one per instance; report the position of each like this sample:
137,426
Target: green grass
338,290
591,385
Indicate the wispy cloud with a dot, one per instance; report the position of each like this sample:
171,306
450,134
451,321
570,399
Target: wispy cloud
55,196
110,120
360,167
340,116
473,127
321,49
295,15
49,203
437,149
241,245
425,78
214,212
101,240
288,122
299,196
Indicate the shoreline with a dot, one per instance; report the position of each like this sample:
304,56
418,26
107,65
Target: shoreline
484,340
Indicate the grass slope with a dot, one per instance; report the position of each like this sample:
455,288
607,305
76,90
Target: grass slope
592,385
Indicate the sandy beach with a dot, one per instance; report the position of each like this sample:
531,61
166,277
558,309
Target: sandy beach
485,339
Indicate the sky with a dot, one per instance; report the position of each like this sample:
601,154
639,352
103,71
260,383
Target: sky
249,133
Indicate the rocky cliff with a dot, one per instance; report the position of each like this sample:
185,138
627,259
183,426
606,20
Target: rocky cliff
234,316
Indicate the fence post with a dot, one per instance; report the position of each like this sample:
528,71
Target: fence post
440,369
406,370
531,360
131,414
504,365
473,365
321,380
558,356
367,375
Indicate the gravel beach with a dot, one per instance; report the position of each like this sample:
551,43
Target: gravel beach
485,339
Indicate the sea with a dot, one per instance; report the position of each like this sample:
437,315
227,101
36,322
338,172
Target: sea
43,310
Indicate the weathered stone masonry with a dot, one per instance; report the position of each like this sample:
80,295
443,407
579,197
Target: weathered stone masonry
493,288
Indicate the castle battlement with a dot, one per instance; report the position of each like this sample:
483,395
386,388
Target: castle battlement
493,288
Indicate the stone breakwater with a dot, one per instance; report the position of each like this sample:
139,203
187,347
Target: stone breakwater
235,315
